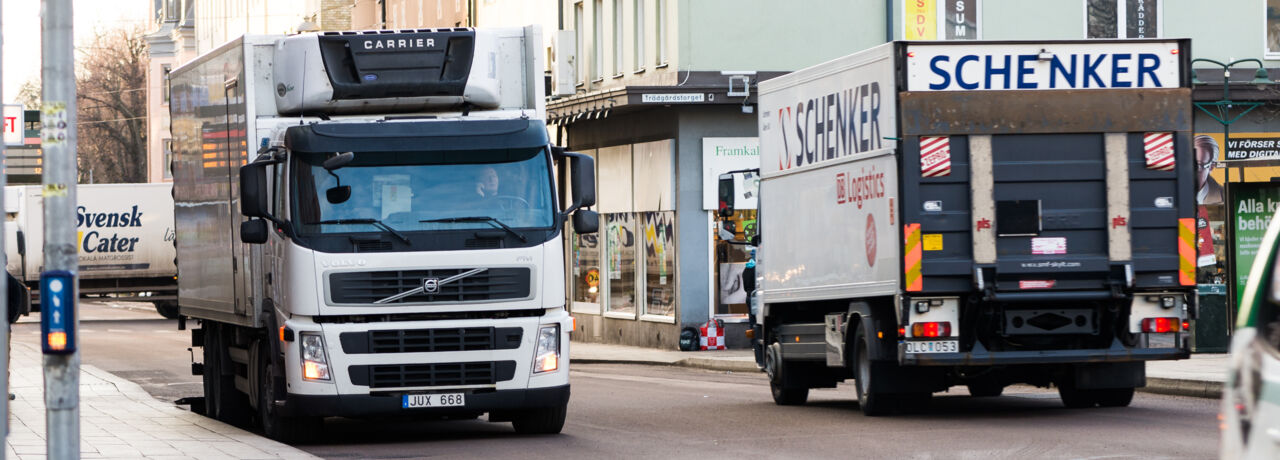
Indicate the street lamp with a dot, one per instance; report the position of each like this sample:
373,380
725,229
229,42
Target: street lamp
1222,113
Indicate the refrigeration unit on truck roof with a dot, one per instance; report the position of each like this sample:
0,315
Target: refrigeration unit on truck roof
406,71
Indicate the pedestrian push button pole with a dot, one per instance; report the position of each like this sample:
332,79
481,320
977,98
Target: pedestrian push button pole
57,315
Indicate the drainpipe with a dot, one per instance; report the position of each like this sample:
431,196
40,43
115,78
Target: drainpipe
888,21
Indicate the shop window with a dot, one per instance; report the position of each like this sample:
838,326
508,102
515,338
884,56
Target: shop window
619,230
733,279
660,263
621,252
585,250
587,276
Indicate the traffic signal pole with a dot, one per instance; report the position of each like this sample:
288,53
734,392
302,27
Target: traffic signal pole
58,282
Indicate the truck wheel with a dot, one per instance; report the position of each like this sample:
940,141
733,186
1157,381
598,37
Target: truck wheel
774,368
540,421
222,400
872,402
985,389
1114,397
167,309
288,430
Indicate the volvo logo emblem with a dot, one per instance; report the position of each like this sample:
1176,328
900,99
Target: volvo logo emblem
431,285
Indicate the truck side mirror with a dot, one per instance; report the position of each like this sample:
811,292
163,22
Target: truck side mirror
725,195
253,190
253,231
586,221
583,179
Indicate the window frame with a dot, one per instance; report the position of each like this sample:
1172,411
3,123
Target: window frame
597,40
660,32
1122,25
579,44
1267,53
618,26
639,36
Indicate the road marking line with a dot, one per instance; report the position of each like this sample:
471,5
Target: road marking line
118,330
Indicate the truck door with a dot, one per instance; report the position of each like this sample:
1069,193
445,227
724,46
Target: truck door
236,157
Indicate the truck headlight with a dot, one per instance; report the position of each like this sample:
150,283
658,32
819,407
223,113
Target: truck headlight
315,363
547,353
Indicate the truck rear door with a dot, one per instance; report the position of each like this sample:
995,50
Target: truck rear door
1029,172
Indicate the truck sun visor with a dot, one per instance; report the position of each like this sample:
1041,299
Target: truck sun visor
367,66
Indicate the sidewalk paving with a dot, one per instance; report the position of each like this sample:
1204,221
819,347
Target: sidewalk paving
1200,376
118,419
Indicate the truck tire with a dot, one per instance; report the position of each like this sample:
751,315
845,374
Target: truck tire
775,368
289,430
222,400
540,421
1114,397
872,402
167,309
985,389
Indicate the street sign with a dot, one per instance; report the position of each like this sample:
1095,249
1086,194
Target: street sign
57,312
14,125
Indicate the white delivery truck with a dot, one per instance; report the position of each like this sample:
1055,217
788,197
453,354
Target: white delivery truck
369,225
125,238
977,213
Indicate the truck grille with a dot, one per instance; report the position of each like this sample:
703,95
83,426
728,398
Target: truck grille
370,287
431,340
432,375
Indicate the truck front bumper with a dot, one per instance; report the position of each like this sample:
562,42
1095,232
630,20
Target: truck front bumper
390,404
981,357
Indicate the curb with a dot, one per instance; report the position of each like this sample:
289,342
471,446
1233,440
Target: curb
697,363
1183,387
719,365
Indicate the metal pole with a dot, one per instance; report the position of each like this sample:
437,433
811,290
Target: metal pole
4,290
58,133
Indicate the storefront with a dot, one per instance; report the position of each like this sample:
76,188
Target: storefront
656,265
1238,192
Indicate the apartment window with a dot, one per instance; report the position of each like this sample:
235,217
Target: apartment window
639,38
660,29
1123,18
164,83
578,41
597,39
617,37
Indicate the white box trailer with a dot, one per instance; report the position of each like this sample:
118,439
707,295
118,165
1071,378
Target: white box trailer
125,238
402,253
978,213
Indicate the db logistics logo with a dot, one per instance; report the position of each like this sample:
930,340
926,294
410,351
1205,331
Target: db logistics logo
871,240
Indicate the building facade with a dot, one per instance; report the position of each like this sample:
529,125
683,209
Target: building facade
645,86
662,94
171,42
183,29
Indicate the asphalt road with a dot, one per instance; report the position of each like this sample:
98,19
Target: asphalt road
652,411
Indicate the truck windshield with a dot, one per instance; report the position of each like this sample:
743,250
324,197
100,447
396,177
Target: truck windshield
424,191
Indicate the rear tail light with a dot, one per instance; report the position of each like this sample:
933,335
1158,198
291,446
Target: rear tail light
1161,325
932,329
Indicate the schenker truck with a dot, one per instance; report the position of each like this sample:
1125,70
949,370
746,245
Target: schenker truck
979,214
368,225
